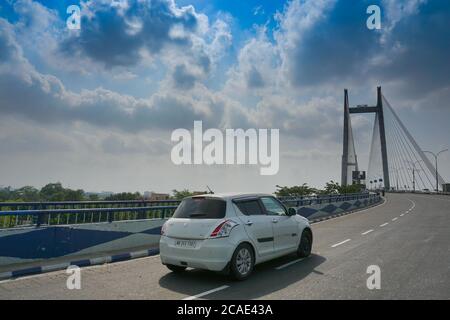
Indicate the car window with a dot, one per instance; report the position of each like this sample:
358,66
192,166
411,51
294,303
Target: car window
273,207
201,208
250,207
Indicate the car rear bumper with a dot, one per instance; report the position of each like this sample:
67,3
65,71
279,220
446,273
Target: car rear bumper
209,254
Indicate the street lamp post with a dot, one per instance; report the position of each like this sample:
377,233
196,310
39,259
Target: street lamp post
436,165
414,170
396,177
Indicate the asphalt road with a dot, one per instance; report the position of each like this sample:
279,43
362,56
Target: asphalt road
409,241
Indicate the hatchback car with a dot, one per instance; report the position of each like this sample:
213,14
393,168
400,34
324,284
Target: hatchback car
232,233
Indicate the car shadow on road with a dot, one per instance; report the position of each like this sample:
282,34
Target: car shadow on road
266,279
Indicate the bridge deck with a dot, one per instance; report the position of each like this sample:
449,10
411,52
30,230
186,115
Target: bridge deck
409,242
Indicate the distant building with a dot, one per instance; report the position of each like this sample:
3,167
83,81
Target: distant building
150,195
446,187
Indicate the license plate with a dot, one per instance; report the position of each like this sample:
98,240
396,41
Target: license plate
185,243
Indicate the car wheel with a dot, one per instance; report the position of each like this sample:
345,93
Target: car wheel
305,246
242,262
174,268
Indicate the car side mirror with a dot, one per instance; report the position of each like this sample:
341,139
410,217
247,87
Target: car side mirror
291,212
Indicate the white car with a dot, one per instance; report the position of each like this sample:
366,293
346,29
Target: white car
232,233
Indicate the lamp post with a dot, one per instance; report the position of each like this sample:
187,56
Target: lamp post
436,155
396,177
414,170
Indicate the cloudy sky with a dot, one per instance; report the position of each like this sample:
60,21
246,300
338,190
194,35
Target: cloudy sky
95,108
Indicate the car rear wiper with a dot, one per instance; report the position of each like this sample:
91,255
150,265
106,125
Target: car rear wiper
197,214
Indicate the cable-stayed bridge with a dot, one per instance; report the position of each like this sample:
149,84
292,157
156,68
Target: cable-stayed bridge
404,234
396,161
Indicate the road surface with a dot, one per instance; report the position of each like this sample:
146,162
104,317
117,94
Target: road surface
408,238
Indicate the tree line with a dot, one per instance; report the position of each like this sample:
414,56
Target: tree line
56,192
330,188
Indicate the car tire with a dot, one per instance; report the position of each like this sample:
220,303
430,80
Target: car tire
242,262
176,269
305,245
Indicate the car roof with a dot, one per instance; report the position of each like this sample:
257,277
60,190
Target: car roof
233,195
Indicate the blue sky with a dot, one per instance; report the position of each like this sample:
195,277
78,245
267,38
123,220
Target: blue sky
94,108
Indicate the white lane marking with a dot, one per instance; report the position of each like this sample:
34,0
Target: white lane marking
402,215
413,206
289,264
206,293
338,244
384,224
367,232
394,219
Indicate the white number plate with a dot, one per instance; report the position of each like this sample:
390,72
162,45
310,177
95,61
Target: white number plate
185,243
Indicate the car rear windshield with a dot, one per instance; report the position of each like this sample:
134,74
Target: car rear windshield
201,208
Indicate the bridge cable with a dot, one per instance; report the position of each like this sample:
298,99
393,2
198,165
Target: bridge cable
398,128
425,159
397,158
408,158
394,155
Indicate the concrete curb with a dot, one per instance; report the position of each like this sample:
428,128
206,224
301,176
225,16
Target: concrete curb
80,263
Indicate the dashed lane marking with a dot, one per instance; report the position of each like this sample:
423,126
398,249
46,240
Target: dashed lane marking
206,293
367,232
339,243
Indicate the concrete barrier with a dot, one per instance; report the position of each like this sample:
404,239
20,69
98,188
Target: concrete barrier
323,210
25,245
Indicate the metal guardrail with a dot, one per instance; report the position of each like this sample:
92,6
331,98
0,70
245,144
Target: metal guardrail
309,201
23,218
7,206
24,214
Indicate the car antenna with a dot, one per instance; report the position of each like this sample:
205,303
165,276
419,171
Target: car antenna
210,191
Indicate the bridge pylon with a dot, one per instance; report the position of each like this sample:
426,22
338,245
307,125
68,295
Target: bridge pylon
349,158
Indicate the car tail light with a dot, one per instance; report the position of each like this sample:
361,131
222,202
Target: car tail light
163,229
223,229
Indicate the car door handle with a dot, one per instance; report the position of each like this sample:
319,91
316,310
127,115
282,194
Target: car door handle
275,220
248,223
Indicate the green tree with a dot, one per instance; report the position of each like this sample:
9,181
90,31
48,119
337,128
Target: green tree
52,192
73,195
180,195
333,187
6,194
93,197
26,193
295,191
56,192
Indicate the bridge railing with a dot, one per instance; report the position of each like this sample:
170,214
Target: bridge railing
23,218
9,206
25,214
313,200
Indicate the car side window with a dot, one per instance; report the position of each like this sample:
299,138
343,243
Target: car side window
250,207
273,207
